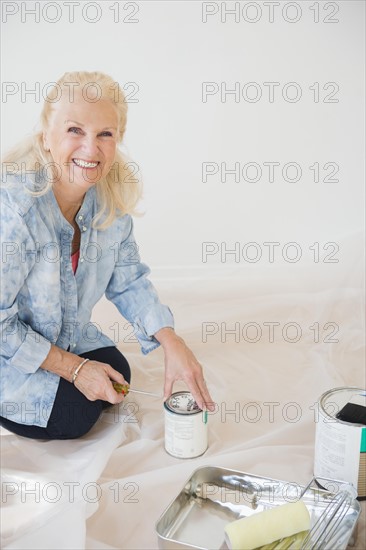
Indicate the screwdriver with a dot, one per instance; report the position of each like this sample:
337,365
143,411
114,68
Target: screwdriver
125,389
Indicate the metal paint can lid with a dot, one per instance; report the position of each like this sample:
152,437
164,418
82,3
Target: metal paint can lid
182,402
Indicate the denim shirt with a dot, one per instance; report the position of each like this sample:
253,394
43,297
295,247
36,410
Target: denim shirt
42,302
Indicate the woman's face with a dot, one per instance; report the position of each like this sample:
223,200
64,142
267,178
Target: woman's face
82,139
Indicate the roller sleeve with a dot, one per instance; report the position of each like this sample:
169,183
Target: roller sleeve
267,526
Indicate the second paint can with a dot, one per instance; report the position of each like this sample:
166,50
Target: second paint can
340,446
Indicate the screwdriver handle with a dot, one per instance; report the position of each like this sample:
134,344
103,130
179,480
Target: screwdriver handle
121,388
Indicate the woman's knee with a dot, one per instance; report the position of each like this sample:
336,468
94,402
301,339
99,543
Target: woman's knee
122,365
113,357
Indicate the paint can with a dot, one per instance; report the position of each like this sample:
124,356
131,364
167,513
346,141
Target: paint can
340,439
186,433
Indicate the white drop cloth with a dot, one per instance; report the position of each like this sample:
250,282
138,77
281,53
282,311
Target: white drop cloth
121,464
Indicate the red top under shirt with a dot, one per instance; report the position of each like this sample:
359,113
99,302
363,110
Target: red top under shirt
75,260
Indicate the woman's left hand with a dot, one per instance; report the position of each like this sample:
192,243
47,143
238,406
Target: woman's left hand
181,364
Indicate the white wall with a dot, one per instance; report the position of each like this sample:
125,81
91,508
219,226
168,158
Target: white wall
169,52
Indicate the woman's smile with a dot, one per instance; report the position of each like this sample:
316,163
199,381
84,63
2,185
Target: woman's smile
85,163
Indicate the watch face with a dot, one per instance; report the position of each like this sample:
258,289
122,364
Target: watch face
182,402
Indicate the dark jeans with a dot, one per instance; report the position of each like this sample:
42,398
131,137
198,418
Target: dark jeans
73,415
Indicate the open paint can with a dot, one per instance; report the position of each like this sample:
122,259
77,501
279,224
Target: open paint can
185,426
340,440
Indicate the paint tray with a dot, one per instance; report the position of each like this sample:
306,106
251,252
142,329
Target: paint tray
213,497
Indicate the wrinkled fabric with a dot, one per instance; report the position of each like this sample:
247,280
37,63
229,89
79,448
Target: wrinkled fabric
44,303
266,388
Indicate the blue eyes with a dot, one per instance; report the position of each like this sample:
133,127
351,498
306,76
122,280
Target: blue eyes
76,130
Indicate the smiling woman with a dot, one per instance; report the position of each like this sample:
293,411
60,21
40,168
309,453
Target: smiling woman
69,189
83,114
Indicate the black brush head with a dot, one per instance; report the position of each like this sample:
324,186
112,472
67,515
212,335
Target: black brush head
353,413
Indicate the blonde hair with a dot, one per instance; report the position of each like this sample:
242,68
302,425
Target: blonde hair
119,191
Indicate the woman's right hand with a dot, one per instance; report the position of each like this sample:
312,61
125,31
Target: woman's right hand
94,380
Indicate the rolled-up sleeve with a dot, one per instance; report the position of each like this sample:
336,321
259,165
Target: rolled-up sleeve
20,345
135,296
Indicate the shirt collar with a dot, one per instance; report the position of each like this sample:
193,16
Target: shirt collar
36,182
86,209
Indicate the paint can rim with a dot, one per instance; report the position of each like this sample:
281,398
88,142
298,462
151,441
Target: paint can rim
326,394
178,412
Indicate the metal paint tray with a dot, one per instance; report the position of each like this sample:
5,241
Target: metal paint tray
213,497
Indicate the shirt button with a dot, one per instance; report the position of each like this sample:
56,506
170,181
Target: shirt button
80,217
84,228
81,260
74,345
